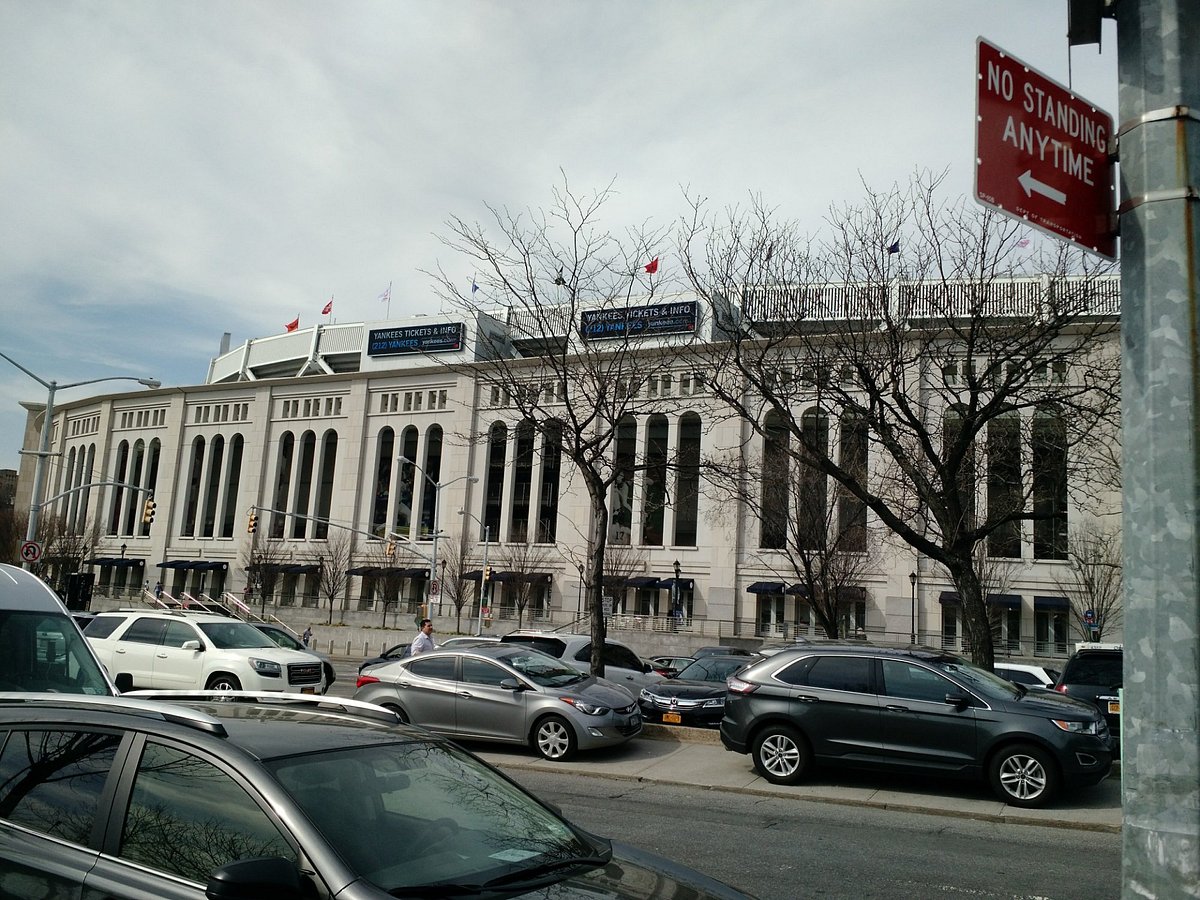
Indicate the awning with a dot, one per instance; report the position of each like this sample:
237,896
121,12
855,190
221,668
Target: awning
1008,601
176,564
530,577
363,570
852,594
301,569
685,584
421,573
949,597
798,590
476,575
642,581
117,562
767,587
1058,603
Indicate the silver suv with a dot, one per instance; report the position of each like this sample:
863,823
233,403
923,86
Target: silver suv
190,651
621,664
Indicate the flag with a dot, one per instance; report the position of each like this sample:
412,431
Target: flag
652,266
293,325
1023,242
328,308
474,286
386,296
894,248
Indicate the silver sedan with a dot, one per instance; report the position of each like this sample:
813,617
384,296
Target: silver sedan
509,693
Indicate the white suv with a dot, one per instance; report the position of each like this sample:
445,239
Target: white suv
193,651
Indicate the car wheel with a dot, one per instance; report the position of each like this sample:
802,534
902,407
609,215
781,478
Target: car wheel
223,682
781,754
400,714
554,738
1024,775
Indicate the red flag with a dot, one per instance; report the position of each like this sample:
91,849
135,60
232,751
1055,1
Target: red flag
293,325
652,266
328,307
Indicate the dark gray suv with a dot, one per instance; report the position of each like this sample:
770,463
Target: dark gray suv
919,711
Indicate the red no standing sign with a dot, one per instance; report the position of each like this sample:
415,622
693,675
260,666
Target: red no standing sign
1042,153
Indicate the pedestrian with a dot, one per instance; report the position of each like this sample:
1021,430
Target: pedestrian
423,642
307,637
158,590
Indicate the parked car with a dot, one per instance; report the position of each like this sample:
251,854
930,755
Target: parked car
293,799
462,642
667,666
511,693
288,641
621,664
41,647
1027,674
1095,672
694,696
175,650
391,654
912,710
701,652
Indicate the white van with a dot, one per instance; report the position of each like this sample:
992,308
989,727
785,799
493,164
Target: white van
41,647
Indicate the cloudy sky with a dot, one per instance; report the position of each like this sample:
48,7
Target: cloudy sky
175,170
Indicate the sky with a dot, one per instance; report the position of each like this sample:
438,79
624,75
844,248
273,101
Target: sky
172,171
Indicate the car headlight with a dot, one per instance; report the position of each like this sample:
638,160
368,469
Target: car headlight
1092,727
714,703
589,709
268,668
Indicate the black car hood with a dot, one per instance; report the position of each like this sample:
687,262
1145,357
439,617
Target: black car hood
688,690
1051,703
634,874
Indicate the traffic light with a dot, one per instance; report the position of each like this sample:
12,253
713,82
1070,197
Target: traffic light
487,573
148,511
390,549
252,523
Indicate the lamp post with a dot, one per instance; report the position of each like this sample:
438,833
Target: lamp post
43,451
676,612
437,487
912,580
579,599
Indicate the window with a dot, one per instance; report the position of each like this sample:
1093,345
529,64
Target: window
622,658
145,631
901,679
52,780
178,633
841,673
477,671
438,667
188,817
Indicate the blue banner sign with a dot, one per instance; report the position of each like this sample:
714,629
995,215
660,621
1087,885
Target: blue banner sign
415,339
638,321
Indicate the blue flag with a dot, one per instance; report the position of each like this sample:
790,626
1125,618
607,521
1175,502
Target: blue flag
894,248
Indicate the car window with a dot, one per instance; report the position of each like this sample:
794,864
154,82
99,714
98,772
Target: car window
433,667
51,781
177,633
797,672
188,817
145,631
103,626
1094,670
1018,676
622,657
480,671
46,652
841,673
283,639
902,679
553,646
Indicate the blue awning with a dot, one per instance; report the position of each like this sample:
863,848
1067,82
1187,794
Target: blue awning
949,597
531,577
798,590
1009,601
685,584
766,587
363,570
1057,603
642,581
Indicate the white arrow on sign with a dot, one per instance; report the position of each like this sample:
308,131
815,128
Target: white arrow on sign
1031,185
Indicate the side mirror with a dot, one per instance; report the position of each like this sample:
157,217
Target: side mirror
124,682
647,668
266,878
511,684
958,701
192,645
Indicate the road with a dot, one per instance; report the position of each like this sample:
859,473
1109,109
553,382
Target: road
783,849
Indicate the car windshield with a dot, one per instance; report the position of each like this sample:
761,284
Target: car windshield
1094,669
710,669
46,652
989,684
282,638
416,818
235,636
541,669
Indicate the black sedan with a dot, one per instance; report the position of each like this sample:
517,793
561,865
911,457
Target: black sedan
696,696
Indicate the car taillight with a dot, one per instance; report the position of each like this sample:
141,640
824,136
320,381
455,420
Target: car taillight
1062,688
736,685
366,679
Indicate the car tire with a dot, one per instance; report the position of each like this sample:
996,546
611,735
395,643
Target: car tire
554,738
223,682
781,754
1024,775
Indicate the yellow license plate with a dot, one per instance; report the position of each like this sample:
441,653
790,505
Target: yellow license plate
1114,706
673,718
308,690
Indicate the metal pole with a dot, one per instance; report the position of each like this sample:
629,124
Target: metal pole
433,557
1159,98
39,469
487,536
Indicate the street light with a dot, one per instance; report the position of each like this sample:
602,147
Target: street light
437,487
487,535
39,471
912,580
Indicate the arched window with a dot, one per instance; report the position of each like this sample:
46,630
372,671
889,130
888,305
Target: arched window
304,484
191,502
1048,459
812,496
654,482
283,481
852,457
621,498
406,482
687,491
233,479
120,467
494,488
551,473
432,467
775,483
328,470
958,454
518,528
1005,496
216,461
385,453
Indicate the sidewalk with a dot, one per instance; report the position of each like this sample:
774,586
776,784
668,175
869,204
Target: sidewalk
695,758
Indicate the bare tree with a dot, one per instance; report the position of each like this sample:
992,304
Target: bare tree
456,559
546,373
263,560
1093,580
926,330
331,568
525,566
12,532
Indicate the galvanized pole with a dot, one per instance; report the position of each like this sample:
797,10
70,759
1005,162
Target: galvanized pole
1159,100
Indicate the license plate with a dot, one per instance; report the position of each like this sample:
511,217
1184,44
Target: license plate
308,690
1114,706
673,718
